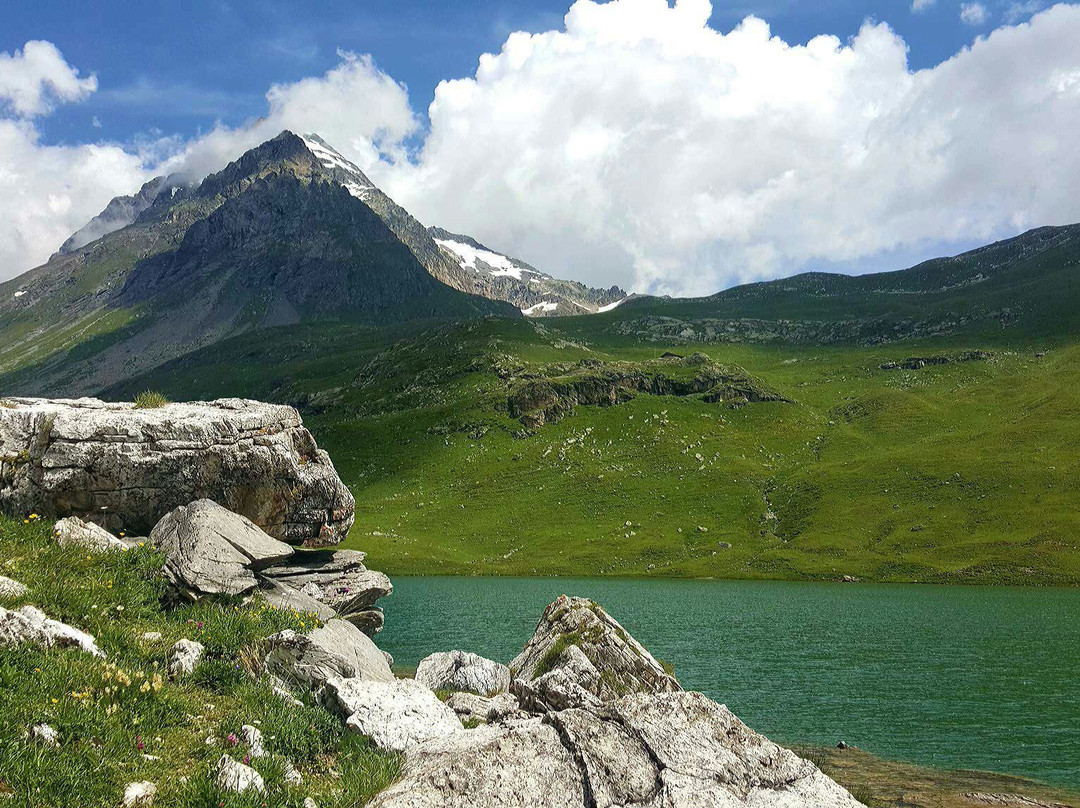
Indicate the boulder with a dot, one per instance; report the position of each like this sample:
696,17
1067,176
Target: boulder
29,625
335,650
471,707
128,466
74,532
10,588
232,775
210,550
184,657
579,656
458,670
337,579
665,750
397,715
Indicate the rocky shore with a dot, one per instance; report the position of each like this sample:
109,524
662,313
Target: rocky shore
583,717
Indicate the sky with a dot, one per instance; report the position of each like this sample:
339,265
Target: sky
668,147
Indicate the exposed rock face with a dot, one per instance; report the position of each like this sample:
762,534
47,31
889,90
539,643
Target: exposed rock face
29,625
74,532
209,550
470,707
397,715
580,656
10,588
336,650
459,670
335,579
128,467
184,657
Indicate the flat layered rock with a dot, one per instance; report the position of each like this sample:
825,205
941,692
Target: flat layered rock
129,467
74,532
460,670
209,550
579,656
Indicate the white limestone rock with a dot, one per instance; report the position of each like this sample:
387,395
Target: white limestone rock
128,467
459,670
336,649
11,589
232,775
396,715
74,532
29,625
139,794
184,657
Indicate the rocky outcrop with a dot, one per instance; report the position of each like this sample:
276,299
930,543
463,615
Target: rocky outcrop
397,715
483,710
209,550
74,532
128,467
29,626
553,393
336,581
335,650
459,670
10,588
579,656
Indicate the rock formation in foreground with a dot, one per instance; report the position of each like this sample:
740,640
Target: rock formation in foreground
638,739
127,467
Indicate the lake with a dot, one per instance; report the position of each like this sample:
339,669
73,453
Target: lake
953,677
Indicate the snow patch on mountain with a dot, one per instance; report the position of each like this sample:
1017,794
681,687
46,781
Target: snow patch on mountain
542,306
346,172
499,265
611,306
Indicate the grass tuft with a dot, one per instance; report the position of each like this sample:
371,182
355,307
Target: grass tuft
150,400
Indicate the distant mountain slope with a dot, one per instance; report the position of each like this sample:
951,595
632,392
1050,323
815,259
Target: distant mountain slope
276,237
1026,287
484,271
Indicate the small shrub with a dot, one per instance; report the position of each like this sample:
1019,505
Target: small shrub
150,400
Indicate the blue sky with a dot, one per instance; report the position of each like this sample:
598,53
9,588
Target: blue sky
669,147
179,67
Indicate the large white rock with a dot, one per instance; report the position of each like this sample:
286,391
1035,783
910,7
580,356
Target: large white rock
209,550
337,649
74,532
10,588
396,715
232,775
29,625
459,670
129,467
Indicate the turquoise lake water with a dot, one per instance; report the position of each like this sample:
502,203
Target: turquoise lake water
954,677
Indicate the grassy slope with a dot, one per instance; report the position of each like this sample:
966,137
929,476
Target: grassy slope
115,728
958,473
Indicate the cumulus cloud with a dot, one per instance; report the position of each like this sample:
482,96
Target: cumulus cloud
973,14
641,146
37,77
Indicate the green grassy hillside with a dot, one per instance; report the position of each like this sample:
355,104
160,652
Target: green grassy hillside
957,472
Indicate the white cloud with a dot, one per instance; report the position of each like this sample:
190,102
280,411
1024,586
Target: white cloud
1016,12
973,14
34,79
921,5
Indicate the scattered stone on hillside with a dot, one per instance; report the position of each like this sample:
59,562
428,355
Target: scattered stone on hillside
920,362
232,775
150,636
209,550
128,467
471,707
580,656
184,657
10,588
310,803
292,775
337,579
139,794
459,670
45,734
335,650
396,715
29,625
254,738
74,532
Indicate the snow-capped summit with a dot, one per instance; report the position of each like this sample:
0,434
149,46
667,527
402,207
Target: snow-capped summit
341,169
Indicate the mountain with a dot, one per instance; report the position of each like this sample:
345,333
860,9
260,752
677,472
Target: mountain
1023,287
481,270
282,235
120,212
